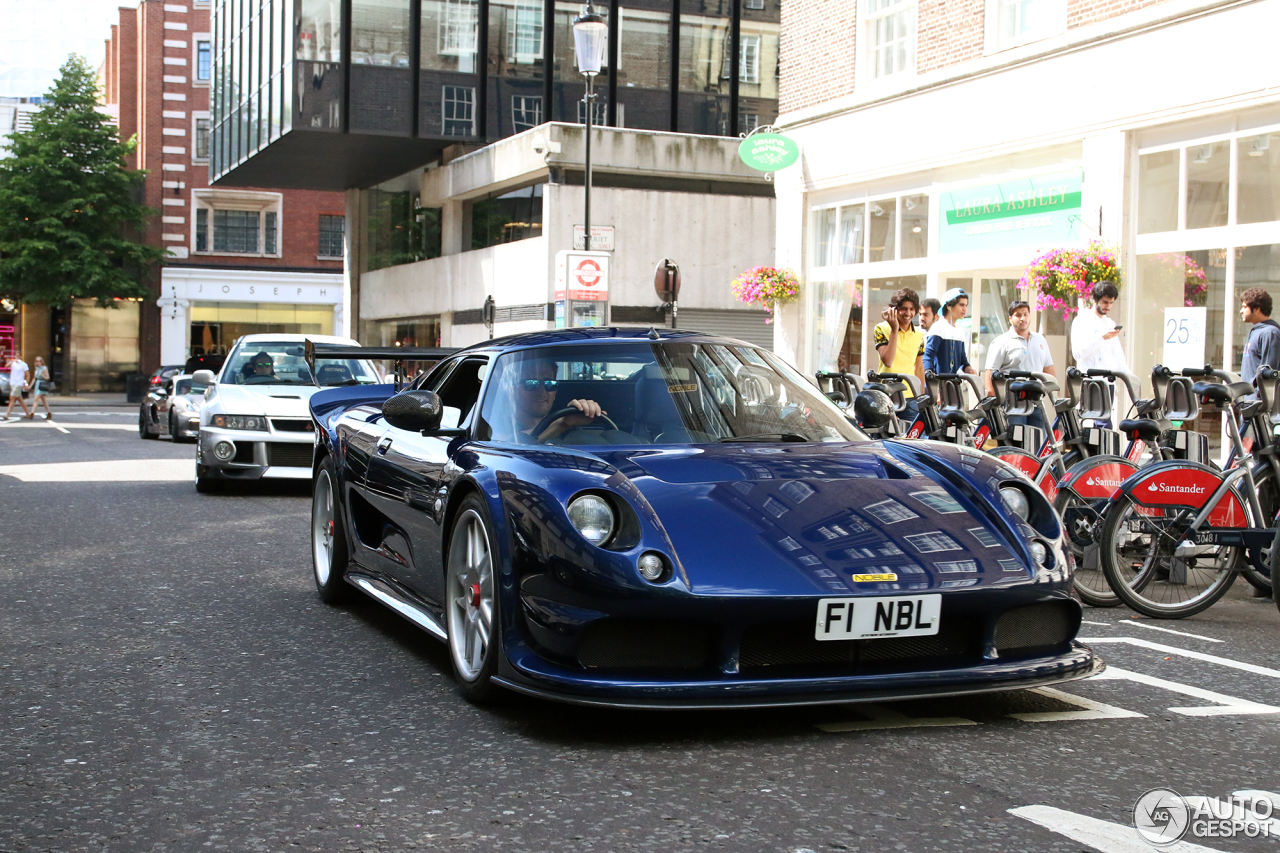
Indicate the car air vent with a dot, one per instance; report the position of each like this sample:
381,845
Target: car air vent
791,645
1036,628
289,454
292,425
640,644
285,397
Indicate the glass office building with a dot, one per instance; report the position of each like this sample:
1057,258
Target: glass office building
335,94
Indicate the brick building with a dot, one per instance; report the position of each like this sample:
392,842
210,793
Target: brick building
241,261
921,120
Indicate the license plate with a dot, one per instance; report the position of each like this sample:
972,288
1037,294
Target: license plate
862,618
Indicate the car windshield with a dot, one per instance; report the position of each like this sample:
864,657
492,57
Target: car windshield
188,386
659,393
281,363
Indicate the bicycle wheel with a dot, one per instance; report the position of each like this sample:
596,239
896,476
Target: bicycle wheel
1137,546
1081,521
1270,503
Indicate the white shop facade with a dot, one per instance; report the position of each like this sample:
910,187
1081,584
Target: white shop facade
204,310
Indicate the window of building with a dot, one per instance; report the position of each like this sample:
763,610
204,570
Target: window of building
748,122
459,111
204,61
524,37
753,4
890,27
332,229
1014,22
237,222
748,62
526,111
200,148
597,111
459,23
505,218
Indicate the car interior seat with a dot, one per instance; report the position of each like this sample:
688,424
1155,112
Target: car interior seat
330,374
655,412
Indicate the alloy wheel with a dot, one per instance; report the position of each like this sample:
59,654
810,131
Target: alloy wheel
470,596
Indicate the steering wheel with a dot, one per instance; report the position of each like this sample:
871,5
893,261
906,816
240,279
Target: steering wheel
571,410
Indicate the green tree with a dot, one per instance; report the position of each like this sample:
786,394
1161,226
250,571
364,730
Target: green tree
67,202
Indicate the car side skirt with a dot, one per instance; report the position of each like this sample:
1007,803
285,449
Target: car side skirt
395,596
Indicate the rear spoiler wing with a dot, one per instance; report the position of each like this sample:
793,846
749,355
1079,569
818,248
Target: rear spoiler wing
399,355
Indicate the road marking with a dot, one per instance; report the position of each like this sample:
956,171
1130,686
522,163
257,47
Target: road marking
109,471
1087,622
1225,706
1136,624
65,427
1101,835
59,428
1146,644
887,718
1091,710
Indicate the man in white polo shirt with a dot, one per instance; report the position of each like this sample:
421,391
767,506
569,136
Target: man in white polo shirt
17,384
1019,349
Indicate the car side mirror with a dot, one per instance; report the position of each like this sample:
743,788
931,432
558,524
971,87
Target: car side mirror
416,411
203,377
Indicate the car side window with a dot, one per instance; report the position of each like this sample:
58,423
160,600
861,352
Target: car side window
459,389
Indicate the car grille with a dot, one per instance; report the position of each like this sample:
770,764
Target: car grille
244,453
792,644
292,425
289,454
1036,627
644,644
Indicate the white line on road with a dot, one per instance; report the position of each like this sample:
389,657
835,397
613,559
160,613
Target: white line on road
1136,624
1087,622
887,718
59,428
39,425
1099,834
1092,710
107,471
1146,644
1226,704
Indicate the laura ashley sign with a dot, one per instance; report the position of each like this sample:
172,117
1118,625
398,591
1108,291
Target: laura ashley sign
1031,212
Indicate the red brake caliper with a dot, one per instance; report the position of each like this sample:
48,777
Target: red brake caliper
475,595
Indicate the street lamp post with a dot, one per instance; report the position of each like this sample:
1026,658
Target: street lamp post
590,37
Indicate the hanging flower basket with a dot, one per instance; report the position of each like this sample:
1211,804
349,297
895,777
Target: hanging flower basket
1060,277
767,287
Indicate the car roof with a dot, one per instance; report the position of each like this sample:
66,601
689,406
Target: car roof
294,337
606,335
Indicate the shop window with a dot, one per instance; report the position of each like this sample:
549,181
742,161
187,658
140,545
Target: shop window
505,218
915,226
1158,192
837,337
200,150
204,61
883,231
824,237
459,23
1258,178
1208,165
526,112
237,223
459,111
890,27
332,229
403,332
853,227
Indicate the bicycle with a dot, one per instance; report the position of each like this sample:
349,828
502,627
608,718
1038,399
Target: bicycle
1173,537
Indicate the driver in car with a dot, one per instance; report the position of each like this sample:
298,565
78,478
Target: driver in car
261,365
536,394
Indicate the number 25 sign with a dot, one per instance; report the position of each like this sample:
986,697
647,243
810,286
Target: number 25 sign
1183,337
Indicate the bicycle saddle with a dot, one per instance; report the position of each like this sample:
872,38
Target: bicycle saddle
956,418
1144,428
1027,389
1213,392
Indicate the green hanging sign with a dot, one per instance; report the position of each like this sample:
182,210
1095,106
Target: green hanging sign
768,152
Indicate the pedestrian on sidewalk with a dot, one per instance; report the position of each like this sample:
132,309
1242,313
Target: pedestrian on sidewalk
40,389
17,384
947,348
1095,338
1263,346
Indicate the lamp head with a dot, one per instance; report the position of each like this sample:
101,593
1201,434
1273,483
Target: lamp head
590,37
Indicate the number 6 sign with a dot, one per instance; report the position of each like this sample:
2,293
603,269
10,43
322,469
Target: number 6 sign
1183,337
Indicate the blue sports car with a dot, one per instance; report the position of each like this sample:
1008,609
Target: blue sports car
660,518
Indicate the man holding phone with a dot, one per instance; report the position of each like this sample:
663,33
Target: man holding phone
900,345
1095,337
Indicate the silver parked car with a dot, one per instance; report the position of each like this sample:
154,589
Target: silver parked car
173,407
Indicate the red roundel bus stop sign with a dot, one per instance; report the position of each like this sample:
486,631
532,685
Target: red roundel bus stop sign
582,276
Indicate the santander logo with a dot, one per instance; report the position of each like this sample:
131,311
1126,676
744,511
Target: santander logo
1102,481
1169,488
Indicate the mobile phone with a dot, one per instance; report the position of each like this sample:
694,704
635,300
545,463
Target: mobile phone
1119,327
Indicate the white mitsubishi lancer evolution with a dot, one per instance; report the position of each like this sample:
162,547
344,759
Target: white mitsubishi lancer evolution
255,424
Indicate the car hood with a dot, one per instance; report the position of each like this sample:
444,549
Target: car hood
830,519
273,401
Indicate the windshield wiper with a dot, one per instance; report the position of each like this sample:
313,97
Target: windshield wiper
765,436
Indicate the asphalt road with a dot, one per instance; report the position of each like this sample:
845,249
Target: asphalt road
170,682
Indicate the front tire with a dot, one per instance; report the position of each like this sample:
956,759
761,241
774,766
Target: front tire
144,427
471,602
329,553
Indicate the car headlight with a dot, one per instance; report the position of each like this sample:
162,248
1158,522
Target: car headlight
1016,500
593,518
240,422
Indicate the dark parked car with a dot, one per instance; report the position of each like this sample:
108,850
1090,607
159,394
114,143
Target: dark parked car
664,518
